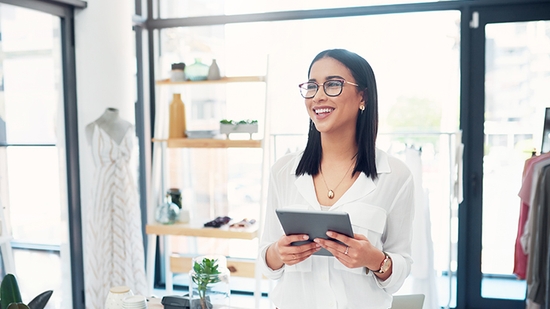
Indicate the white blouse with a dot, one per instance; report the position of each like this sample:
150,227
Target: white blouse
382,210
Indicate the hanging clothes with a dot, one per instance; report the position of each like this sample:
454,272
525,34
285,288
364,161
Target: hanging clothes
537,268
114,254
531,170
423,275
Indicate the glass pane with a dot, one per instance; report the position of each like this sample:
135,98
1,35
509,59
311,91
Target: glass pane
31,75
516,94
32,168
189,8
414,86
34,194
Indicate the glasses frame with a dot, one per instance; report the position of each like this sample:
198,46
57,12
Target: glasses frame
343,81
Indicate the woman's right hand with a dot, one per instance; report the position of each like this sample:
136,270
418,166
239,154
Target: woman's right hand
282,252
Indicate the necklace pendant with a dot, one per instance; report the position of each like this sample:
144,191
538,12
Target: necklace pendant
330,194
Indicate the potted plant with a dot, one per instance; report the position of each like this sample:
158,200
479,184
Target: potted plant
241,126
210,282
10,296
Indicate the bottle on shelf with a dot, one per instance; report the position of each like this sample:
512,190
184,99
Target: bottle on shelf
177,74
177,124
214,71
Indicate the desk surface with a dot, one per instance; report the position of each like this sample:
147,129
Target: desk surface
197,230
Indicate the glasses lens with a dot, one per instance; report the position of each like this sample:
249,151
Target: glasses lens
333,87
308,90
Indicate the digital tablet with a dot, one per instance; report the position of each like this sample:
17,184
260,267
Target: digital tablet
315,224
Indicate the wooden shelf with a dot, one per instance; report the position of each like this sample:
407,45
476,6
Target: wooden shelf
223,80
210,143
197,230
238,267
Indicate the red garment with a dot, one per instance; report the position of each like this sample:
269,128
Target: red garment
520,256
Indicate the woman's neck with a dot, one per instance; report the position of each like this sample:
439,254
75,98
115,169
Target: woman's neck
338,148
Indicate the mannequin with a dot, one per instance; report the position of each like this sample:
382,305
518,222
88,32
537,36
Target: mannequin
113,245
111,123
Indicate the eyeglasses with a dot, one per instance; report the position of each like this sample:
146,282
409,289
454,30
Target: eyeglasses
332,88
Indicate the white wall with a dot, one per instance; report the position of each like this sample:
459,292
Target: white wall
104,71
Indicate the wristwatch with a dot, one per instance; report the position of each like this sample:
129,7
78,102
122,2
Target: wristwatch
385,265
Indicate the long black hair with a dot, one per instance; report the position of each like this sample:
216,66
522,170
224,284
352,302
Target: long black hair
366,128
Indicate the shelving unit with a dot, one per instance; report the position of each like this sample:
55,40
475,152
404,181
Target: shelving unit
176,263
210,143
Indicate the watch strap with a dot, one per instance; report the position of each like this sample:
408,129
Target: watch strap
384,266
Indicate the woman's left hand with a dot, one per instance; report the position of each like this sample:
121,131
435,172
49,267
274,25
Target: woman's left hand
354,252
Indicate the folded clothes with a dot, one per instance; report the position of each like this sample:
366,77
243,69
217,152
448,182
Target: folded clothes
243,223
219,221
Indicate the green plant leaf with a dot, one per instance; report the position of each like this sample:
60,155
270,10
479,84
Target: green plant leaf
9,291
40,301
18,306
205,272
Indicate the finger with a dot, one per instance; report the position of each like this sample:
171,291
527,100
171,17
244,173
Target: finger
341,237
334,247
294,238
360,237
295,258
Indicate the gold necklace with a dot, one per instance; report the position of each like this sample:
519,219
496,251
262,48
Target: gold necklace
330,192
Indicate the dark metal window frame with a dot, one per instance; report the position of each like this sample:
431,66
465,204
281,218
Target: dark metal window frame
468,252
64,9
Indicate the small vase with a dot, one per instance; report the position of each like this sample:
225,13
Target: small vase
209,291
177,124
197,71
214,71
175,195
167,212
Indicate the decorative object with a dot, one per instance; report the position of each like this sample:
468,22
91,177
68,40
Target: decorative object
10,296
167,212
243,126
116,297
177,124
219,221
209,282
214,71
134,302
197,70
175,195
177,74
201,133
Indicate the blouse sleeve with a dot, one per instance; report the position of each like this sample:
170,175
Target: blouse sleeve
271,230
398,236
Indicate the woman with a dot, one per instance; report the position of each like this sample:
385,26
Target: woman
340,170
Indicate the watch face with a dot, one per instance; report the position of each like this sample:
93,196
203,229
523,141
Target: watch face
385,265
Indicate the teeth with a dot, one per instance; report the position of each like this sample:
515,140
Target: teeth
323,110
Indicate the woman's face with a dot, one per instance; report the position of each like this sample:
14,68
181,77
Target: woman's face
333,114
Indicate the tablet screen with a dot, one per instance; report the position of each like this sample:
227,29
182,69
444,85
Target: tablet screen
315,224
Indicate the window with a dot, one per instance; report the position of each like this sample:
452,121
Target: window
417,71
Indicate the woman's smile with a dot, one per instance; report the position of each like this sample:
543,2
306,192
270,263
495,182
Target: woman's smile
323,110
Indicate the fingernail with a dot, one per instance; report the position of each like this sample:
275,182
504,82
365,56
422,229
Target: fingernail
330,234
305,237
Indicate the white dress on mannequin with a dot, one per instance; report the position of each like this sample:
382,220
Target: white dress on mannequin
114,254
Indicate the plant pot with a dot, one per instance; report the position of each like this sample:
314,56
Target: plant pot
238,128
